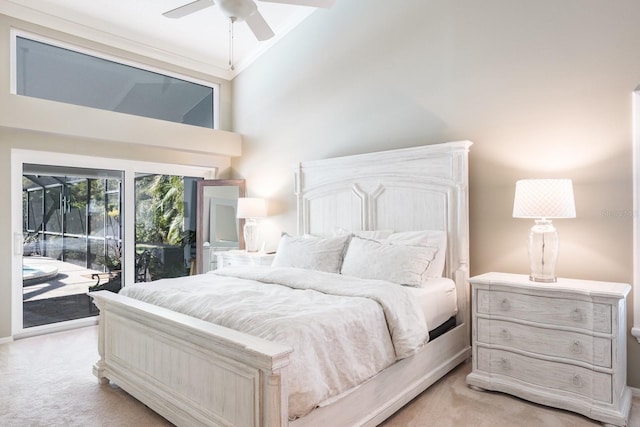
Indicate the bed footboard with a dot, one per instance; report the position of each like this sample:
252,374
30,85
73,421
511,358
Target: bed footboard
190,371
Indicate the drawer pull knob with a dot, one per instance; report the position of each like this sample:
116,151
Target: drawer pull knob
576,347
577,381
504,363
505,304
576,315
505,334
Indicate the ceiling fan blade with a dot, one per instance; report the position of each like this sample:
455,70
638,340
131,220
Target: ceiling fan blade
313,3
188,8
259,26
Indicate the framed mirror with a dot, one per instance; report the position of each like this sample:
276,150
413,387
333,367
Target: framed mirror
217,229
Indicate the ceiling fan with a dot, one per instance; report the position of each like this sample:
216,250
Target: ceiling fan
242,10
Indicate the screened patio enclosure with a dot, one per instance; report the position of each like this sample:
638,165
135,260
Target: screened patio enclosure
73,218
72,240
73,236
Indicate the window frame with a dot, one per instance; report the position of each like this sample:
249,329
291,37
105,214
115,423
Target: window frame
13,69
635,329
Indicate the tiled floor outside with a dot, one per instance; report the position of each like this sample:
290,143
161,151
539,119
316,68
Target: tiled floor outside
71,280
59,298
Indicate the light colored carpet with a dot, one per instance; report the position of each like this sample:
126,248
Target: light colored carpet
47,381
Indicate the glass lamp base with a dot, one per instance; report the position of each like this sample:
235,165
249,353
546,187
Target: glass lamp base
543,251
250,235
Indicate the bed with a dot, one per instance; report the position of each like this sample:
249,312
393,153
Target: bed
195,372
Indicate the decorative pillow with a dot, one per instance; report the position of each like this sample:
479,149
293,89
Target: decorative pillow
404,265
313,253
431,238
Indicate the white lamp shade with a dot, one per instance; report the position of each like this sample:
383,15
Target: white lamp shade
544,198
251,207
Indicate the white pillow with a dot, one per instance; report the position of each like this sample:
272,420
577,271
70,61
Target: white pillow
313,253
401,264
365,234
431,238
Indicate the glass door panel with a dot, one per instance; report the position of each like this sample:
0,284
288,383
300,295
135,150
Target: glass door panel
72,240
165,225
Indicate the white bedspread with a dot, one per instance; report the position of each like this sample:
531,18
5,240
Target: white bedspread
342,330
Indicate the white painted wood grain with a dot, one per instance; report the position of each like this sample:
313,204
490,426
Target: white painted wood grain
555,343
544,373
547,309
239,258
561,345
196,373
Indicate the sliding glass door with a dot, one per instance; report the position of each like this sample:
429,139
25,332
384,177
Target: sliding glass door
78,228
165,226
72,240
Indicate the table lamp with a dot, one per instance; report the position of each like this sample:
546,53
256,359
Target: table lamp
542,200
251,208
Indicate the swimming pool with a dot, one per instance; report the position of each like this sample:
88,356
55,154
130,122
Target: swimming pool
37,270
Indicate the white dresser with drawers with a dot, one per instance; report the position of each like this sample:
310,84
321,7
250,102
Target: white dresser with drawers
558,344
236,258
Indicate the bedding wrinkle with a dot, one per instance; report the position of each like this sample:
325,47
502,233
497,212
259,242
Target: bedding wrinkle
405,320
338,341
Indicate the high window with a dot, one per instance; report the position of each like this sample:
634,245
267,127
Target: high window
56,73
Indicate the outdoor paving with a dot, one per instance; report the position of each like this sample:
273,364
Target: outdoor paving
71,280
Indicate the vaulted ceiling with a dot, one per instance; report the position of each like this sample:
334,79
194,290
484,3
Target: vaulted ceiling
199,38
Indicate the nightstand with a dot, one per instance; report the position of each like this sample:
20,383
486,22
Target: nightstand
558,344
241,257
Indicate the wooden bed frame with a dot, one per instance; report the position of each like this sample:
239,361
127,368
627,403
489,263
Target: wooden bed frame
194,372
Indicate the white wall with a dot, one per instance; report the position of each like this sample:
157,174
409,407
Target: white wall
543,88
36,124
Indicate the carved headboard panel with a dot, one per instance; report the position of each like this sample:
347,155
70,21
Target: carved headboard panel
401,190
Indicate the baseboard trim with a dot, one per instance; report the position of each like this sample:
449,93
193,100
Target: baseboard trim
635,392
57,327
6,340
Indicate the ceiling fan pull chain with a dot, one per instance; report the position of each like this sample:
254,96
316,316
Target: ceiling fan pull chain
231,20
241,10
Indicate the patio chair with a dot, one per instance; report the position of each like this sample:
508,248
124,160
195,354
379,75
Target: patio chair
143,260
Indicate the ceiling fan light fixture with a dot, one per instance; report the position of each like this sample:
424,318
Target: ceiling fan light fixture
242,10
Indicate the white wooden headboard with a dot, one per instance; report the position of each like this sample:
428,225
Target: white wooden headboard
421,188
